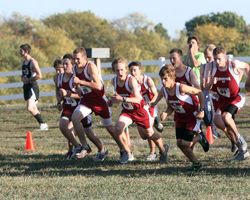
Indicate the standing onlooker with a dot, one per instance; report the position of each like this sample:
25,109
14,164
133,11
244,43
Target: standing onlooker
30,74
194,57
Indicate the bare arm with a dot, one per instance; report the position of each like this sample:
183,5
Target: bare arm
96,81
152,88
159,97
167,112
194,79
208,77
194,91
247,85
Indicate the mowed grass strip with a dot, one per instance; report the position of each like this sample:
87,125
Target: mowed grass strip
45,174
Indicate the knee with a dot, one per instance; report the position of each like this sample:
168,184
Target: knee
76,118
119,129
154,136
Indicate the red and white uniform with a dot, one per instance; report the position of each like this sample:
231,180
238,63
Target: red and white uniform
215,96
138,113
185,108
148,95
93,99
69,103
227,87
185,79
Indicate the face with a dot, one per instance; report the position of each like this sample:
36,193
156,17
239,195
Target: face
220,60
22,52
121,71
59,70
194,44
80,60
167,82
209,57
67,65
135,71
175,59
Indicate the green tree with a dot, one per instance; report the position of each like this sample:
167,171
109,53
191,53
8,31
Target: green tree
162,31
218,35
226,19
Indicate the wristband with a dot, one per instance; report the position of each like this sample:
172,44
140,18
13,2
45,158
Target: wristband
201,109
124,99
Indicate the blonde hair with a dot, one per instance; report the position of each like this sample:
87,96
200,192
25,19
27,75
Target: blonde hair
209,48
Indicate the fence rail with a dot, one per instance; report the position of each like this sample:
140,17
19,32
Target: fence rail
161,61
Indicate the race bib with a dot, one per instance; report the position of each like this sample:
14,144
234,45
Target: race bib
224,92
178,108
70,101
128,106
85,90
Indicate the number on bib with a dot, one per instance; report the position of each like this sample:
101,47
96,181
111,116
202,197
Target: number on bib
224,92
85,90
70,101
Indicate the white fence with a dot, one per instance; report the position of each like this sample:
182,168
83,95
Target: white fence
161,61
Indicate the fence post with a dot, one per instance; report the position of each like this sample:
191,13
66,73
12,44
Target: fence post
161,63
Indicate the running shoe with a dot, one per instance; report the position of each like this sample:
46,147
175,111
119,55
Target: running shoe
83,152
151,157
100,156
164,155
204,143
195,167
43,127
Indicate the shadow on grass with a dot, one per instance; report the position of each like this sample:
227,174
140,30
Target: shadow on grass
51,165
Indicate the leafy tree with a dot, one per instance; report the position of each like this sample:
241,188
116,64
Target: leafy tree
226,19
218,35
162,31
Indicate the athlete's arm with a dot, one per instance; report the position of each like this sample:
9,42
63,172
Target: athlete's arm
159,97
93,73
167,112
194,79
35,68
153,89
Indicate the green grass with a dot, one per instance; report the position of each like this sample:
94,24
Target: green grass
45,174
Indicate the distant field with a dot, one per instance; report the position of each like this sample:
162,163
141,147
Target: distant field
45,174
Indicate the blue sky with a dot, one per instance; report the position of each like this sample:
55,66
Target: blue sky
172,14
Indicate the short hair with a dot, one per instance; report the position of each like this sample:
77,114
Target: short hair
80,50
135,63
119,60
209,48
219,50
169,70
176,50
194,37
26,47
58,62
70,57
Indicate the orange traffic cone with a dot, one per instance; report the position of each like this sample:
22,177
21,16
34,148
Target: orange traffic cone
29,142
209,135
127,134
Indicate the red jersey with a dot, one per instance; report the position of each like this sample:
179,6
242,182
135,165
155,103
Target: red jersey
185,79
69,104
227,85
88,94
183,105
146,91
125,91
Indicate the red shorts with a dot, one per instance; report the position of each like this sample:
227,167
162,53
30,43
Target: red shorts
98,106
141,117
189,122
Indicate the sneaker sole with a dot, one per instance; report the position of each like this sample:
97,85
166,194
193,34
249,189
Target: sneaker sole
82,156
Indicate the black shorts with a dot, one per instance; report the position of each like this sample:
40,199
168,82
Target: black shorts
232,109
184,134
30,91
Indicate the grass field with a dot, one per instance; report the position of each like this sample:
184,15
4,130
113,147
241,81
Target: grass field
45,174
